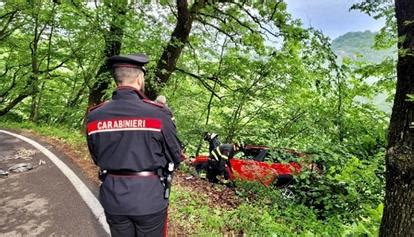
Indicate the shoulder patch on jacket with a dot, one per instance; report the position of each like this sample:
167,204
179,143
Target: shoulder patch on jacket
96,106
153,103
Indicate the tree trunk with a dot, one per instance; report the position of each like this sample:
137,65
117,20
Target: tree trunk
398,217
113,44
12,104
36,100
33,83
167,63
33,108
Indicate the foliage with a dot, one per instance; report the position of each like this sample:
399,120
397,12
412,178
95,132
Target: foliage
347,186
249,72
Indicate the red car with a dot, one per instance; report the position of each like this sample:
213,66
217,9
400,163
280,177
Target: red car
255,163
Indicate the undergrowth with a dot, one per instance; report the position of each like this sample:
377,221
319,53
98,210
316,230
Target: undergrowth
344,201
70,135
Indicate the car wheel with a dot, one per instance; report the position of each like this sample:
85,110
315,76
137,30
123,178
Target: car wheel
283,180
287,194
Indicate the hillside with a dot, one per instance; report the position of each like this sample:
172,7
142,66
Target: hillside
359,45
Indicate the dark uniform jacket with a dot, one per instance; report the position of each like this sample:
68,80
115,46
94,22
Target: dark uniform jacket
228,150
135,134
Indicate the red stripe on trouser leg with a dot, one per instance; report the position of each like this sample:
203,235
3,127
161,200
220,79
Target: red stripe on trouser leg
166,225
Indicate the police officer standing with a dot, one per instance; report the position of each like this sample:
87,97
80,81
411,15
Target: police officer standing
132,140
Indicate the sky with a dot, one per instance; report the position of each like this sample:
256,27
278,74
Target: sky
332,16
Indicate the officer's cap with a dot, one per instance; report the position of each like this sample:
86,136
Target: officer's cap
131,60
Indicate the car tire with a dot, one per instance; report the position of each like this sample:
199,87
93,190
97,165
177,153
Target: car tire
283,180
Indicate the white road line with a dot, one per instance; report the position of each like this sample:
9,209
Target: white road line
82,189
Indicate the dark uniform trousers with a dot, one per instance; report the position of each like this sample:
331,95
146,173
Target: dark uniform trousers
219,157
153,225
131,134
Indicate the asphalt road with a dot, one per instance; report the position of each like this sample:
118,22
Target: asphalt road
41,201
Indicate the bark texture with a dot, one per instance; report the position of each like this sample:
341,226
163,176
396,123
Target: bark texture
113,44
398,217
167,63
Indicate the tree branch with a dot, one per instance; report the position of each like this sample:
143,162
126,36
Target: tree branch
255,19
274,10
13,84
206,85
213,17
3,32
13,103
48,70
237,20
205,23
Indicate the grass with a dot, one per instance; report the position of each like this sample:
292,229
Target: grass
71,136
200,218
